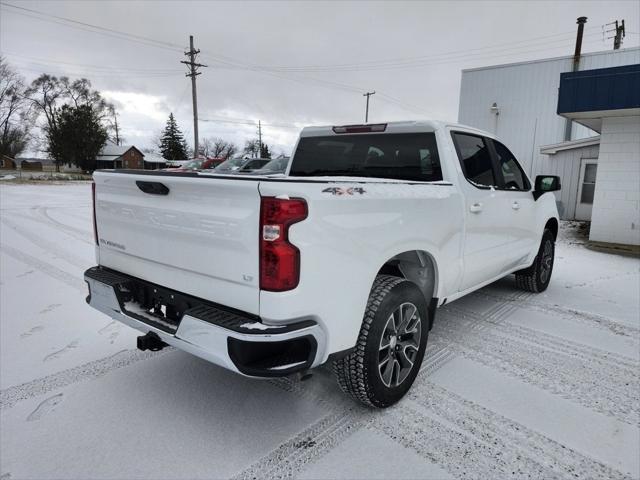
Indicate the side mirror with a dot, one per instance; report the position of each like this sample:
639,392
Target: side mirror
544,184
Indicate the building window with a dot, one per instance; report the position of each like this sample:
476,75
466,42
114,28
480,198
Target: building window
589,183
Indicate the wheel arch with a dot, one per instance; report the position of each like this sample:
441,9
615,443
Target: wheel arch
419,267
553,225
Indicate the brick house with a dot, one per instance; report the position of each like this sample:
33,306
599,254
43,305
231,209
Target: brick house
7,163
120,156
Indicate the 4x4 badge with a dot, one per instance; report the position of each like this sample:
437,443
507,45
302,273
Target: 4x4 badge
344,191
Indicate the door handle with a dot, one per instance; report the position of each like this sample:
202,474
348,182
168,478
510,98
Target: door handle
153,188
476,207
515,206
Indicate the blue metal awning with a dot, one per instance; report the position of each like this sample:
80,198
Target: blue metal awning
612,88
589,95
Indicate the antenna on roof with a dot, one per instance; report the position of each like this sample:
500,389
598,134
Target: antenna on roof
619,33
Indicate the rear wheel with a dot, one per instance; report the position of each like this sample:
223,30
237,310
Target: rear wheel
391,344
536,278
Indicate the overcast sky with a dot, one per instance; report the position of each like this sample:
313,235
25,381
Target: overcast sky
291,64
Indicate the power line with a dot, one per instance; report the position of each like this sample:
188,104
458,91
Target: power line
231,62
95,28
439,59
99,68
253,123
409,60
97,75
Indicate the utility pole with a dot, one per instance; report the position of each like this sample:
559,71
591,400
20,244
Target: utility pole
619,33
259,139
366,112
576,66
193,72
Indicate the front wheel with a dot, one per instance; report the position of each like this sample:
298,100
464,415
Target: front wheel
536,278
391,344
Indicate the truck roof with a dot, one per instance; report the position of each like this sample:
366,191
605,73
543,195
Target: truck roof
409,126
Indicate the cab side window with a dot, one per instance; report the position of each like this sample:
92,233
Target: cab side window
511,171
475,159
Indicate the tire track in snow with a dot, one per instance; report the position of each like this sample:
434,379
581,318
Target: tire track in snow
345,417
47,246
615,394
462,455
516,440
587,318
600,279
12,395
288,460
69,231
587,353
45,267
80,234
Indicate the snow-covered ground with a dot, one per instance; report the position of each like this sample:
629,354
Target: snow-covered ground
514,384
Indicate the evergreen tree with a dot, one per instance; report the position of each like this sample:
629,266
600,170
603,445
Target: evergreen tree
172,143
264,151
76,137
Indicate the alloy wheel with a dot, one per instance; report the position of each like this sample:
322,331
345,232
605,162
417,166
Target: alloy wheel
399,344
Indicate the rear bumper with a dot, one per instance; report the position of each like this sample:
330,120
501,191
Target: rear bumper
234,340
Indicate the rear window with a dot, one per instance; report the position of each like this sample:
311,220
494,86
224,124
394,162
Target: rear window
401,156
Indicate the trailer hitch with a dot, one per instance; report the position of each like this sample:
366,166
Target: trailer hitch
150,341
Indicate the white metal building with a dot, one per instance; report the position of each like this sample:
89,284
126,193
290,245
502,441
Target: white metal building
519,103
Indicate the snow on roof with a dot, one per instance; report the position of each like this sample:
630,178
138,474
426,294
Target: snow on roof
112,150
154,158
570,145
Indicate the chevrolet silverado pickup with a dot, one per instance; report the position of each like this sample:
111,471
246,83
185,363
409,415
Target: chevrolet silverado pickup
344,259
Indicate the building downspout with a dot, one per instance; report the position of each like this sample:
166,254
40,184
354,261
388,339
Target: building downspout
576,66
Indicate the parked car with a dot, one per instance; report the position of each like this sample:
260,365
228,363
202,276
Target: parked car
197,165
241,165
345,260
275,166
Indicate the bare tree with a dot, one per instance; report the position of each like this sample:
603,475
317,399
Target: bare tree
206,147
217,148
50,95
252,148
45,94
14,111
223,149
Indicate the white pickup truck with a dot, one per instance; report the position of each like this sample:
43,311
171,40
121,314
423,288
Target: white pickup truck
345,258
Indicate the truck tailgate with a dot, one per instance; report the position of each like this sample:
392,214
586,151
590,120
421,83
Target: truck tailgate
200,237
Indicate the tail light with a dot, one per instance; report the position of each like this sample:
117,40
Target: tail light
93,199
377,127
279,259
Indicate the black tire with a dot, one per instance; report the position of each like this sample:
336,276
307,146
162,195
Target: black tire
360,374
536,278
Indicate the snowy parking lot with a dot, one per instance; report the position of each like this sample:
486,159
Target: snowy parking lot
514,384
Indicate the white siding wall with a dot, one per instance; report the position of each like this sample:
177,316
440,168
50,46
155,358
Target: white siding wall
527,96
566,164
616,205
